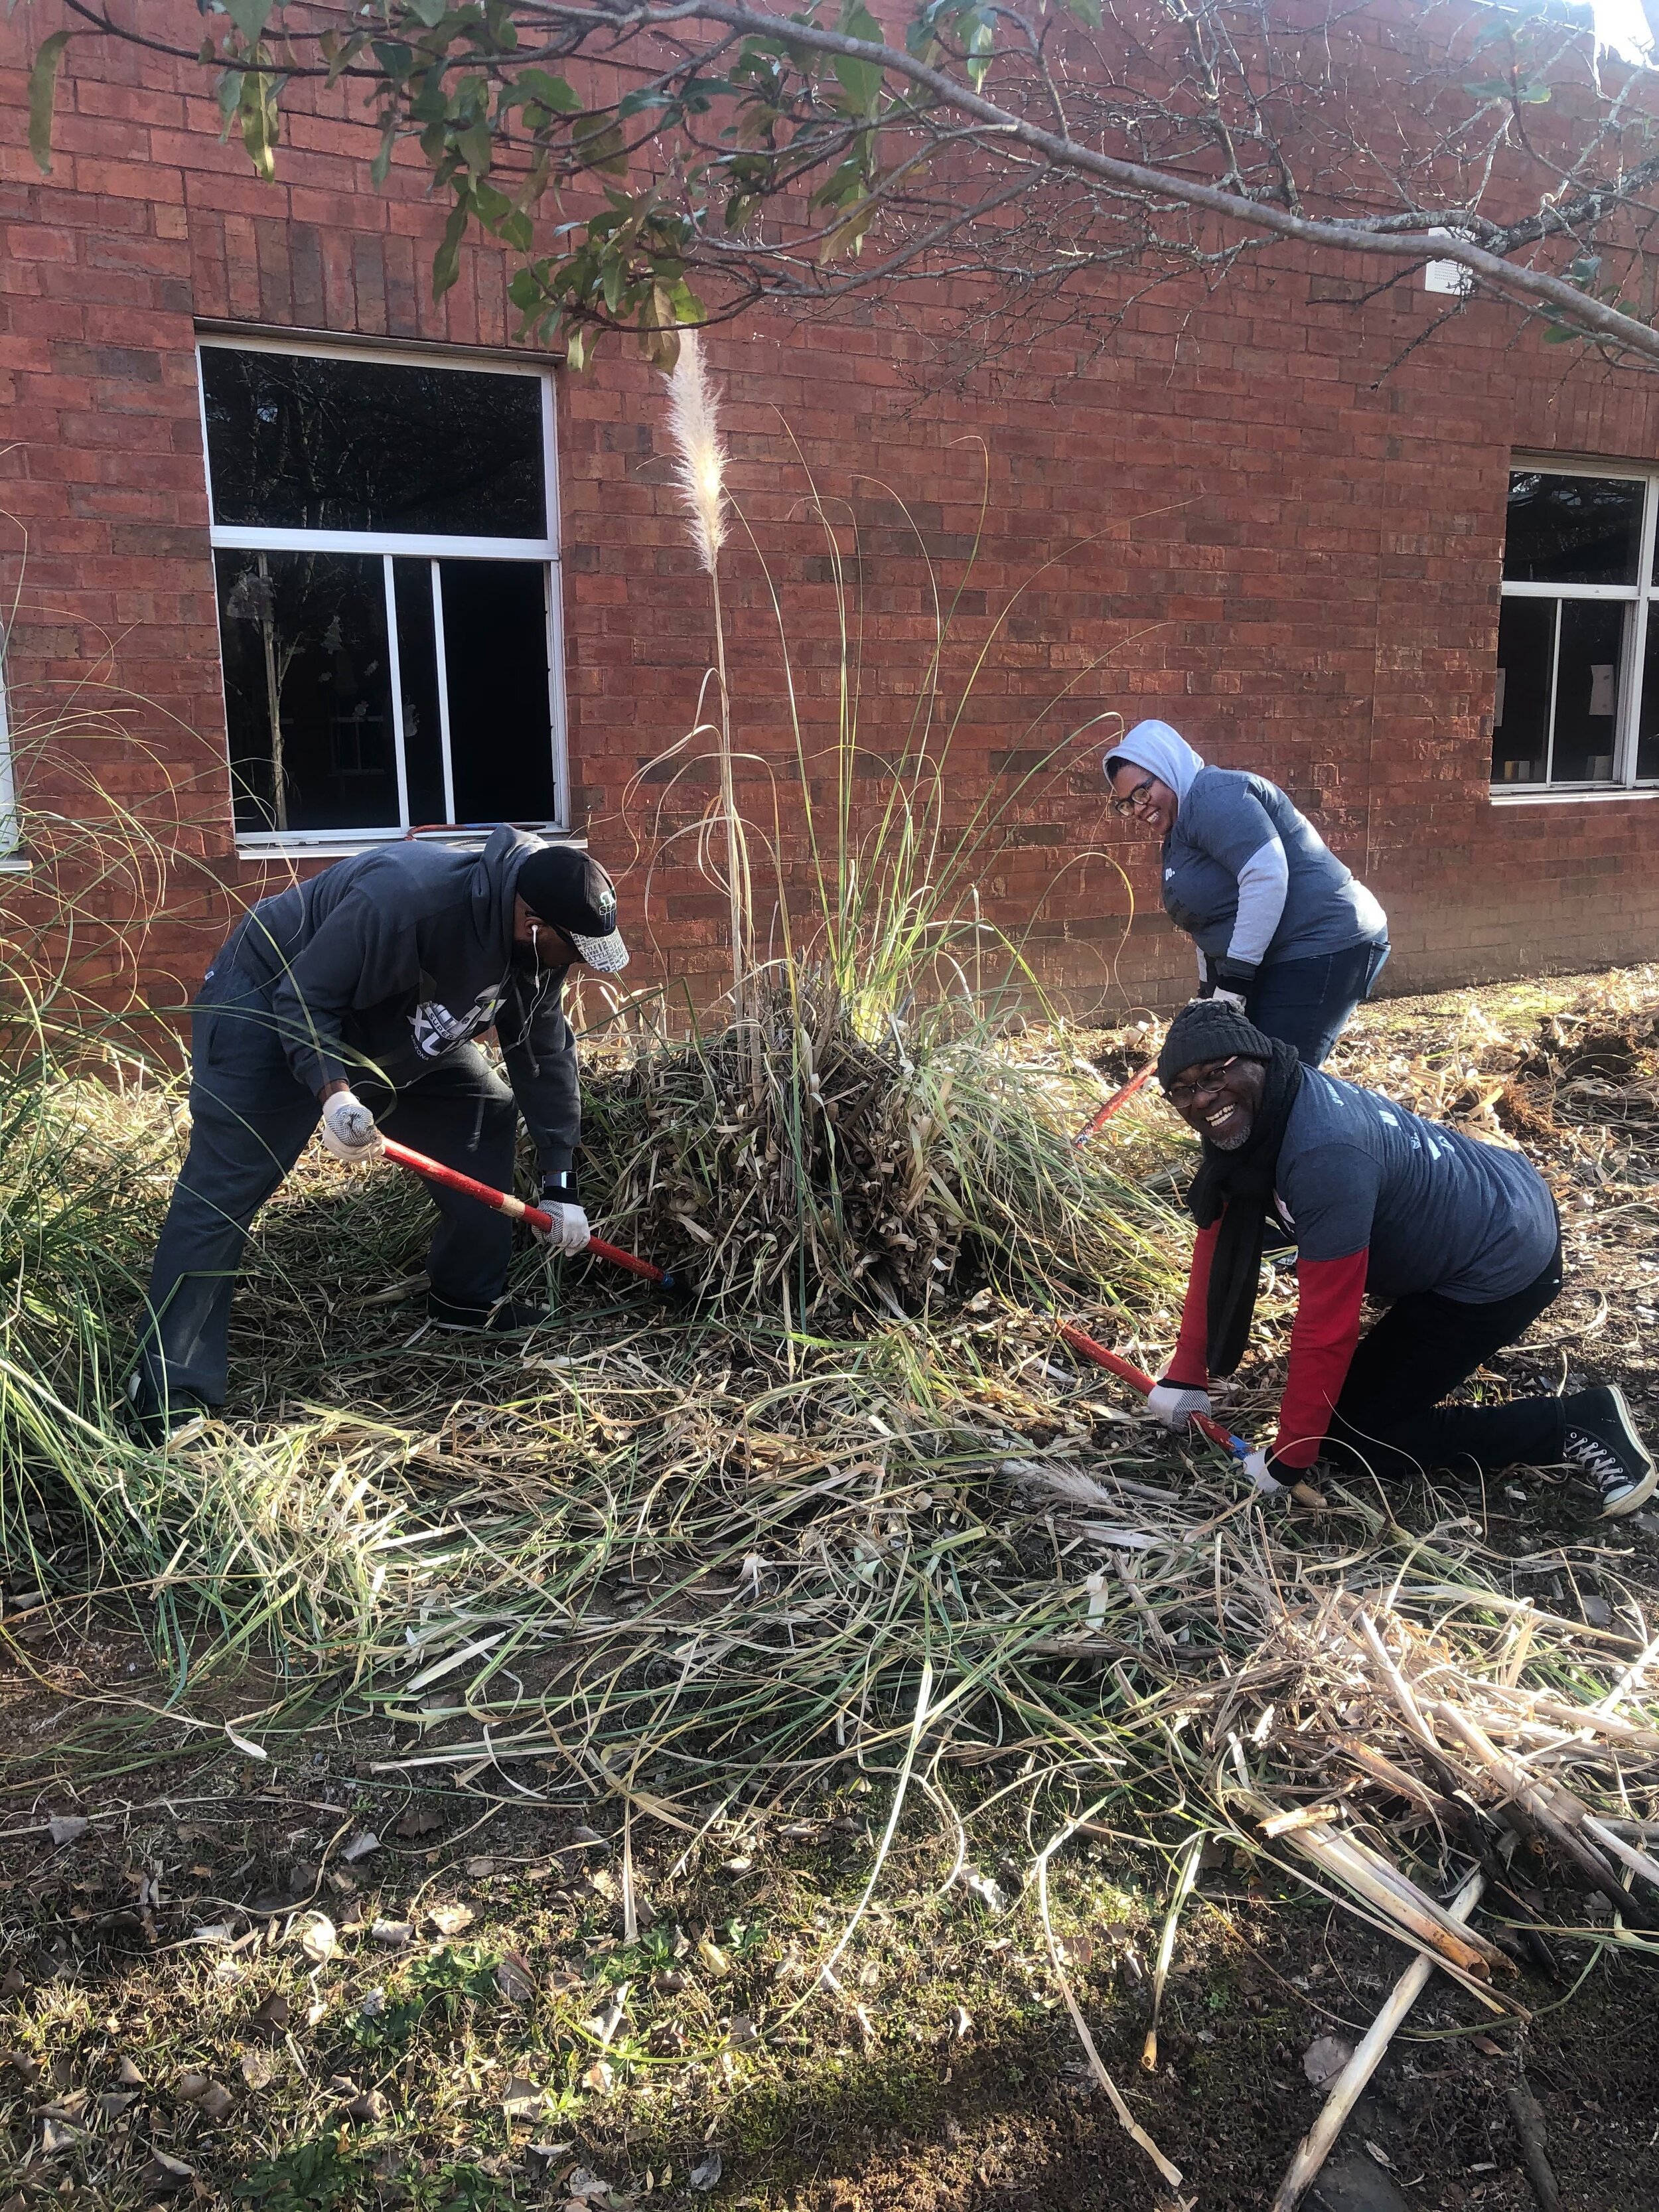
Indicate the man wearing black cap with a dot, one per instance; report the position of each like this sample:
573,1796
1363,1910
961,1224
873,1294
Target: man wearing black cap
355,999
1461,1238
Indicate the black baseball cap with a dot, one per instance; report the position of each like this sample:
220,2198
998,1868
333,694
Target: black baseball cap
569,890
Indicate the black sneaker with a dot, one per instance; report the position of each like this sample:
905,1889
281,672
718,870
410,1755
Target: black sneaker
150,1417
1600,1438
506,1317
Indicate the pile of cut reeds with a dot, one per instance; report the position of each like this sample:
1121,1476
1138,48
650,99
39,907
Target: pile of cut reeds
796,1164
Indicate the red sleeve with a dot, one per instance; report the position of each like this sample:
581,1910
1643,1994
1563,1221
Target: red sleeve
1322,1339
1190,1365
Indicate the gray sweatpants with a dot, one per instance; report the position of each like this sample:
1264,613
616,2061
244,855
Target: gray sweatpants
251,1120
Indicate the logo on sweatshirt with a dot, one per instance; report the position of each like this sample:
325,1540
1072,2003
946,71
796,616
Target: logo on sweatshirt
437,1030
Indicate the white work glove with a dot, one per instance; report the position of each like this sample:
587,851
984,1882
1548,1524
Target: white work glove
569,1231
349,1129
1218,997
1256,1468
1173,1405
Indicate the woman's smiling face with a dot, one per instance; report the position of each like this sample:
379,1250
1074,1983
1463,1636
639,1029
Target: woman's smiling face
1220,1098
1145,798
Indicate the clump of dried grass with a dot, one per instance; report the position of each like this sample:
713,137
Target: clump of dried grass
802,1165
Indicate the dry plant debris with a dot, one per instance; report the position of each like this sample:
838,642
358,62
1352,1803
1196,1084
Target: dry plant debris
703,1568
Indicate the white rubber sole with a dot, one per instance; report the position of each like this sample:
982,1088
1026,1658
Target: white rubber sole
1647,1483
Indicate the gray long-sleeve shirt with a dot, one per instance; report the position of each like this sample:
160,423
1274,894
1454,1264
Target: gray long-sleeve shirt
1249,879
388,960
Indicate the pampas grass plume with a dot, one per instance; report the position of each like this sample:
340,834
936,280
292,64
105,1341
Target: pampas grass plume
699,454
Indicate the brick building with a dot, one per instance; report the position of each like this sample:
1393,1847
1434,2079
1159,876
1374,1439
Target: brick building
1258,513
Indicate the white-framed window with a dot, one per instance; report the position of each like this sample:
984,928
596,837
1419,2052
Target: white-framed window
385,531
1577,707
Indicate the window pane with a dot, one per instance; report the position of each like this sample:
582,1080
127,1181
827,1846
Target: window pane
1521,710
1647,730
295,443
1572,530
308,691
500,730
1587,691
417,669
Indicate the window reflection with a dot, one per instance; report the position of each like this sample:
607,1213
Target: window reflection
1572,530
307,690
301,443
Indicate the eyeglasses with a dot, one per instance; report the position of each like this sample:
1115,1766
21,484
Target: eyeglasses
1187,1094
1132,801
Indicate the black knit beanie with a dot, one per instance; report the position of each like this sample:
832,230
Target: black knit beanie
1206,1030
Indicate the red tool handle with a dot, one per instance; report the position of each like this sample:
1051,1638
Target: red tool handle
1118,1098
1138,1379
517,1209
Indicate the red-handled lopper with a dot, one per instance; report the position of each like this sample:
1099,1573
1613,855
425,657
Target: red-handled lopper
1138,1379
517,1209
1093,1127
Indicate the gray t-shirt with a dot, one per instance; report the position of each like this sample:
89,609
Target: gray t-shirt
1225,821
1438,1211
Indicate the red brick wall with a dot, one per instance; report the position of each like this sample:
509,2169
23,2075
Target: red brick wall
1258,521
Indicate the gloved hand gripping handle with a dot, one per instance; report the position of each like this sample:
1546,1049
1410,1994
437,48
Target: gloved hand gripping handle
504,1202
1303,1492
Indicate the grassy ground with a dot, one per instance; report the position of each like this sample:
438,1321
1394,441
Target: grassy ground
699,1968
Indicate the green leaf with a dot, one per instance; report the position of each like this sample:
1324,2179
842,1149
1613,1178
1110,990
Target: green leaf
250,17
1558,334
43,92
860,81
552,91
981,45
575,349
380,166
447,261
636,103
598,144
259,121
430,13
1087,12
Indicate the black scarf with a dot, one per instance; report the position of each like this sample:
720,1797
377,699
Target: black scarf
1238,1185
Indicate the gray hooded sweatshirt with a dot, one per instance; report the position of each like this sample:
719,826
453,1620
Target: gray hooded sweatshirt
385,961
1245,874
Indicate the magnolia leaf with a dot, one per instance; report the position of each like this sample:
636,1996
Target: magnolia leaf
43,92
575,349
260,131
597,143
429,12
446,268
250,17
550,92
1087,12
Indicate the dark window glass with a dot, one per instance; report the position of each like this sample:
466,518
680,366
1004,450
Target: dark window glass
1572,530
417,670
299,443
1587,691
500,732
1521,708
1647,728
308,691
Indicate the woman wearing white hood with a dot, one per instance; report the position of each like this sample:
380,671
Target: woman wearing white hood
1284,932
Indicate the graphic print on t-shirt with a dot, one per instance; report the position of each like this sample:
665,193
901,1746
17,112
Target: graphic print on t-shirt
437,1030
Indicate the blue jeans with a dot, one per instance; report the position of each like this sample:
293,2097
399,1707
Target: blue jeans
250,1121
1308,1002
